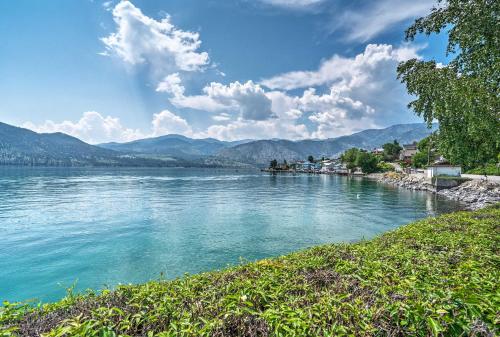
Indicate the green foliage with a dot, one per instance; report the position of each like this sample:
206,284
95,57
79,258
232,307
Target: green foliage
464,95
391,150
490,169
366,161
384,167
273,164
349,158
427,152
438,276
420,159
310,159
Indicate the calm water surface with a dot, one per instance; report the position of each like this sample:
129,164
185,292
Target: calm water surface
101,227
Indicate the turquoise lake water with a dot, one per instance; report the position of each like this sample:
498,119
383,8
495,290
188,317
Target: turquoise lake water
102,227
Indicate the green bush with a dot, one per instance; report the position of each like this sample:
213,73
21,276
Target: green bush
438,276
490,169
384,167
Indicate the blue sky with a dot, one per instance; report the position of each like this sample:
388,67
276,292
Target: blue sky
122,70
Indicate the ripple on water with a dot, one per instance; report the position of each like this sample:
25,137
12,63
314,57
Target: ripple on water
102,227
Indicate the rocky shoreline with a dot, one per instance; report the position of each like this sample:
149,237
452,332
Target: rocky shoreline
475,194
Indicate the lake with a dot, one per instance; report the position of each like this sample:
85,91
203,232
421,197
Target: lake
97,228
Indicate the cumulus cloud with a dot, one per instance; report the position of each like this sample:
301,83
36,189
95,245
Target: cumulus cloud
363,87
343,71
92,128
248,99
171,84
266,129
166,122
140,39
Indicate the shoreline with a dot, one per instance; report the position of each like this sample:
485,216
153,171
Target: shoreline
475,194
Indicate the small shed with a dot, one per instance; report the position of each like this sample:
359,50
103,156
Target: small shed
443,170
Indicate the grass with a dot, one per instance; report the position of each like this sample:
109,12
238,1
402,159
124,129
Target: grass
437,276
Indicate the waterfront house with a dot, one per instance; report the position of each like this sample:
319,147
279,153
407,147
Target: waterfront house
304,166
408,151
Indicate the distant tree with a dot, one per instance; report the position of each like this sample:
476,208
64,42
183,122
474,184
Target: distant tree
391,150
349,158
310,159
274,164
463,96
366,161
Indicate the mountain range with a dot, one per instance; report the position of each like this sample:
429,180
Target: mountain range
262,151
175,146
19,146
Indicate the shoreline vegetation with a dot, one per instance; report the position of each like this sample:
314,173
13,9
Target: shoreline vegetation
437,276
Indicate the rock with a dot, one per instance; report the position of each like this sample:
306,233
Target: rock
475,193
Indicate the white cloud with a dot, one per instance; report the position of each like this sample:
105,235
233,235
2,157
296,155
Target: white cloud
366,23
92,128
248,99
346,72
166,122
265,129
222,117
360,88
171,84
140,39
293,4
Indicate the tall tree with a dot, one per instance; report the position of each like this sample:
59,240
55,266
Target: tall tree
366,161
462,96
349,158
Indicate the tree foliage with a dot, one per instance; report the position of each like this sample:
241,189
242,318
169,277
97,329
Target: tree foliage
391,150
349,158
462,96
366,161
427,152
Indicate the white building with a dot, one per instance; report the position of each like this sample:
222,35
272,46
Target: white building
443,170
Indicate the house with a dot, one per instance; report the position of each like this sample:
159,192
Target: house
408,151
443,169
304,166
378,151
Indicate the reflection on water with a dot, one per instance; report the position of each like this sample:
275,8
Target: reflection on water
102,226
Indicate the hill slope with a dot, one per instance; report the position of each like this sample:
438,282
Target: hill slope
19,146
263,151
173,145
435,277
